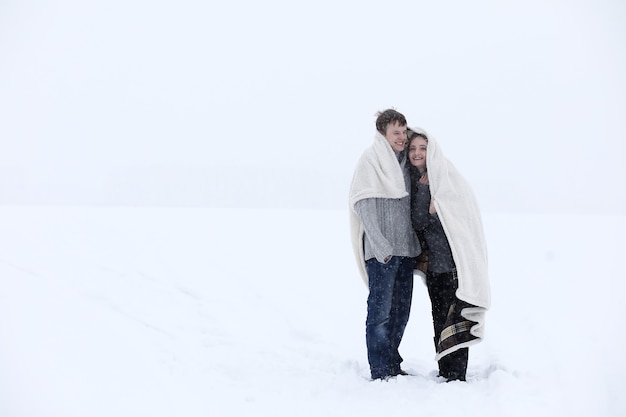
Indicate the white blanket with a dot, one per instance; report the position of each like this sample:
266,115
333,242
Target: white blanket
377,175
460,216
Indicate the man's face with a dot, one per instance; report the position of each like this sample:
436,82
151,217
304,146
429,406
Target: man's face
396,135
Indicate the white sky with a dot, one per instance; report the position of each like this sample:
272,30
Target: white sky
270,103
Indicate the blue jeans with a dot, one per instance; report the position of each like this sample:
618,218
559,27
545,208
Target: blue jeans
388,308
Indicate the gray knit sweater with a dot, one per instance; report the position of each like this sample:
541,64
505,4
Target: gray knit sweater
387,225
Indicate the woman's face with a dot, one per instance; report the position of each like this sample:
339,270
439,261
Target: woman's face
417,153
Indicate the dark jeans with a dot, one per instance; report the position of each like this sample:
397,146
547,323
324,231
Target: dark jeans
388,308
441,289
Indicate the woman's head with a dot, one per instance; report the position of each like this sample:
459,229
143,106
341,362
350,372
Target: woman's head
418,144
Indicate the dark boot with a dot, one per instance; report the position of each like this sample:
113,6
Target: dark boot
453,367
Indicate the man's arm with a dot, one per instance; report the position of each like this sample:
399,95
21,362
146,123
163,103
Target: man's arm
368,214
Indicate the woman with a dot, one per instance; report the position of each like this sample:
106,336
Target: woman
446,218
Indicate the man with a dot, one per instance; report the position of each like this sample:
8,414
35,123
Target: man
384,241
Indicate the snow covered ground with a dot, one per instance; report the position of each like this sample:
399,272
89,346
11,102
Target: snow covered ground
209,312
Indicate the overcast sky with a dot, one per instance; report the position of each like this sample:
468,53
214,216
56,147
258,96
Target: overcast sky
270,104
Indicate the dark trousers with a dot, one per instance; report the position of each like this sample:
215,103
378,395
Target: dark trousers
388,308
441,290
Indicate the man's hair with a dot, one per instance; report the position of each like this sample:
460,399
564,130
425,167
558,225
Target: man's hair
387,117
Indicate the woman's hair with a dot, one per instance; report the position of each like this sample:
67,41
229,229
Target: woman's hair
412,135
387,117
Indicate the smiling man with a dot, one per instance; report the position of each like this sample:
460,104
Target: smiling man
384,241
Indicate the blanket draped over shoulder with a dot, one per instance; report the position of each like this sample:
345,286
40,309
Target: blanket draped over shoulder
460,217
377,175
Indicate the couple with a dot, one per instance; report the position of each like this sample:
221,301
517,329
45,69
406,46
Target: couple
407,200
